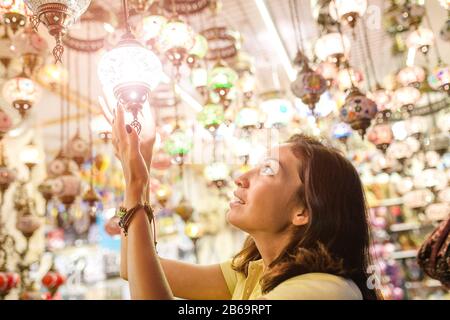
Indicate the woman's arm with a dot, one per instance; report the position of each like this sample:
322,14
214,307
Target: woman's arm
140,263
145,275
187,281
196,282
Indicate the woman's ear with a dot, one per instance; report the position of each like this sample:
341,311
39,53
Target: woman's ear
301,218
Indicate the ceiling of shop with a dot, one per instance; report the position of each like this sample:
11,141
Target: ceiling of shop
259,42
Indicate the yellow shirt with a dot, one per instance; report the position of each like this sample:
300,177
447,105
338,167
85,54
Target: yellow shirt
310,286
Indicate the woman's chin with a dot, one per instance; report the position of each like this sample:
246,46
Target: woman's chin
233,217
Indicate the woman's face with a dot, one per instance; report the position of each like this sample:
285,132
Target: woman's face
266,198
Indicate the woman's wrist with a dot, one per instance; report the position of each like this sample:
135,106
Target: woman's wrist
134,194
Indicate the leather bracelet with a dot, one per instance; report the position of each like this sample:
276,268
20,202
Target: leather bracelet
127,215
125,220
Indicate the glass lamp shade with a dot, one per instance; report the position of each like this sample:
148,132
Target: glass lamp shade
28,224
217,171
358,111
416,199
348,11
132,68
5,123
179,143
14,13
382,97
309,86
439,79
67,187
277,109
222,77
21,92
176,34
399,150
211,116
348,77
78,149
57,16
406,97
75,8
411,76
381,136
341,131
332,47
53,74
404,185
193,230
416,125
420,39
247,118
151,26
12,6
29,154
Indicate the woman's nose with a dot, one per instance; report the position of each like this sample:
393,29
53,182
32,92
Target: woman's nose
242,181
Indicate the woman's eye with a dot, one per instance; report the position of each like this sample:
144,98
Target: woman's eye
266,170
269,168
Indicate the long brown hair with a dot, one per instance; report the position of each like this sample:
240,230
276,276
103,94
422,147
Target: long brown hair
336,238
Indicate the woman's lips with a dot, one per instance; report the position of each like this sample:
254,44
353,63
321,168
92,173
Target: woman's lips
236,201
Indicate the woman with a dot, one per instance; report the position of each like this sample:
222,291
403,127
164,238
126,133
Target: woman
306,219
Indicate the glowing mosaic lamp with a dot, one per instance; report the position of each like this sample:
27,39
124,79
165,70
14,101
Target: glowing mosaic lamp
309,86
14,13
176,39
21,92
381,136
178,145
405,98
130,71
347,11
211,116
53,74
358,111
198,51
32,49
248,118
348,77
411,76
341,131
221,79
420,39
217,173
57,16
332,47
382,97
279,111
